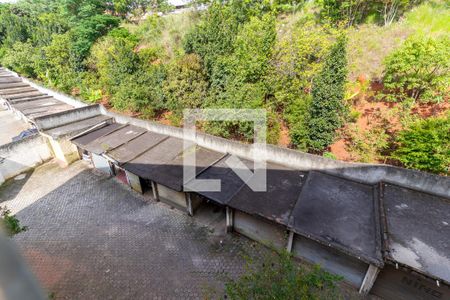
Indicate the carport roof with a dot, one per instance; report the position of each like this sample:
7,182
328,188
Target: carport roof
46,110
9,79
114,139
74,128
340,213
230,182
147,164
136,147
418,230
278,201
83,139
170,174
10,85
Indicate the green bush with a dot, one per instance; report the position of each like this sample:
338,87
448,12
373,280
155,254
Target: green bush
10,223
277,276
419,69
23,58
327,107
186,85
425,145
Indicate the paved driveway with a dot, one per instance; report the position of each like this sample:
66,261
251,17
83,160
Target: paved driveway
90,237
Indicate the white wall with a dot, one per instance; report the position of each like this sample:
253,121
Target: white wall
18,157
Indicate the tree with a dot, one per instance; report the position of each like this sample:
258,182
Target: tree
425,145
327,107
419,69
22,57
186,85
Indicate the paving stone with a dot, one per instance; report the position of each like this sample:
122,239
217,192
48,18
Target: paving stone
90,237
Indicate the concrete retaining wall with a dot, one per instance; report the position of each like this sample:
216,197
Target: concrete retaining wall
366,173
18,157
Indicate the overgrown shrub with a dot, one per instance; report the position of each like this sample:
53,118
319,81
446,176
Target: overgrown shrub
419,69
425,145
277,276
10,223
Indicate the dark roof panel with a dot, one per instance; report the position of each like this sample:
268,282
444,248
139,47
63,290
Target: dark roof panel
340,213
418,230
114,139
146,164
171,173
136,147
230,182
275,204
85,139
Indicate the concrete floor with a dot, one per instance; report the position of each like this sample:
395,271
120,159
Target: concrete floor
10,126
90,237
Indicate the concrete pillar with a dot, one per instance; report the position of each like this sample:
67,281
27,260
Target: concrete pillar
134,181
190,209
230,219
290,241
155,191
369,279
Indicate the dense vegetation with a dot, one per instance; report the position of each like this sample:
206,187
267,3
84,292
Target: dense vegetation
317,67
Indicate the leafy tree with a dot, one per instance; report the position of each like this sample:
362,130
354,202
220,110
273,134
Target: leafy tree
87,32
186,85
22,57
425,145
327,106
279,277
297,58
419,69
59,67
346,11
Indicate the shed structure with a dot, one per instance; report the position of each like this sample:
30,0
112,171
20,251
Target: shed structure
335,223
417,245
263,216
